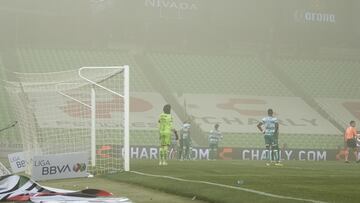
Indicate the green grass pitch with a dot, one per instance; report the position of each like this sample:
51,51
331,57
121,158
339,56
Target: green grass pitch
322,181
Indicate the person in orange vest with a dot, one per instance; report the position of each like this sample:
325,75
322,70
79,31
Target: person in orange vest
350,141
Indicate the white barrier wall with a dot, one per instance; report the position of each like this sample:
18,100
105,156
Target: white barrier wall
145,109
241,113
343,110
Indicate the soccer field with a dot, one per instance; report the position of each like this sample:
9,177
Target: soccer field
135,193
249,181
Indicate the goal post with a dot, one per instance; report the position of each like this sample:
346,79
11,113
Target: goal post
127,118
84,110
125,96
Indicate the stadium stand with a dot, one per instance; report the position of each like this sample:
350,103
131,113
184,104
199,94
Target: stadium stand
338,82
335,107
50,60
337,76
189,73
244,75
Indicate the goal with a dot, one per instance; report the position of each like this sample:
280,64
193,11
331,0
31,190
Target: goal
84,110
3,170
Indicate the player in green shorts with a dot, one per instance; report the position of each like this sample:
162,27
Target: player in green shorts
165,130
275,148
174,147
270,131
185,142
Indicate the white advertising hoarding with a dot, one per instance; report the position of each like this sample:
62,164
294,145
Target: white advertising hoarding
343,110
60,166
18,162
240,114
145,109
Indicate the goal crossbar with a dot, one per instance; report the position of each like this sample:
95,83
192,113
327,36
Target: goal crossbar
97,83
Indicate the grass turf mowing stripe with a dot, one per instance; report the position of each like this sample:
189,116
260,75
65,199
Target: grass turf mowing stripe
230,187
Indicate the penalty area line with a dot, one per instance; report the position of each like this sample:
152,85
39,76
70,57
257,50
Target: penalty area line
230,187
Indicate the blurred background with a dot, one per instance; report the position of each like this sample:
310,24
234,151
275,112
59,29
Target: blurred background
214,61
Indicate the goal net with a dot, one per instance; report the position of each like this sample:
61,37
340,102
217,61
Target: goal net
85,110
3,170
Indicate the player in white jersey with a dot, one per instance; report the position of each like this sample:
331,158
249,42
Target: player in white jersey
185,142
270,131
214,139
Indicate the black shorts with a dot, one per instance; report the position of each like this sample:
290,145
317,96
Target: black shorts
351,143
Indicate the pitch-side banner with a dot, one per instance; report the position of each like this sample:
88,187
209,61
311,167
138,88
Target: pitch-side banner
242,113
343,110
234,153
17,162
59,166
145,109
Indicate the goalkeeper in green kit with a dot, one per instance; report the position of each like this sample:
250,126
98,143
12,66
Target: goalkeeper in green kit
165,130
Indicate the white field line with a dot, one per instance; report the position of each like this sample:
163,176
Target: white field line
230,187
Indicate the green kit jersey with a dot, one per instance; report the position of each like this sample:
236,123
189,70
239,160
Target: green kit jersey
165,123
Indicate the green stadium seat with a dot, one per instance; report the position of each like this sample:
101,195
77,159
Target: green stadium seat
206,74
50,60
336,76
